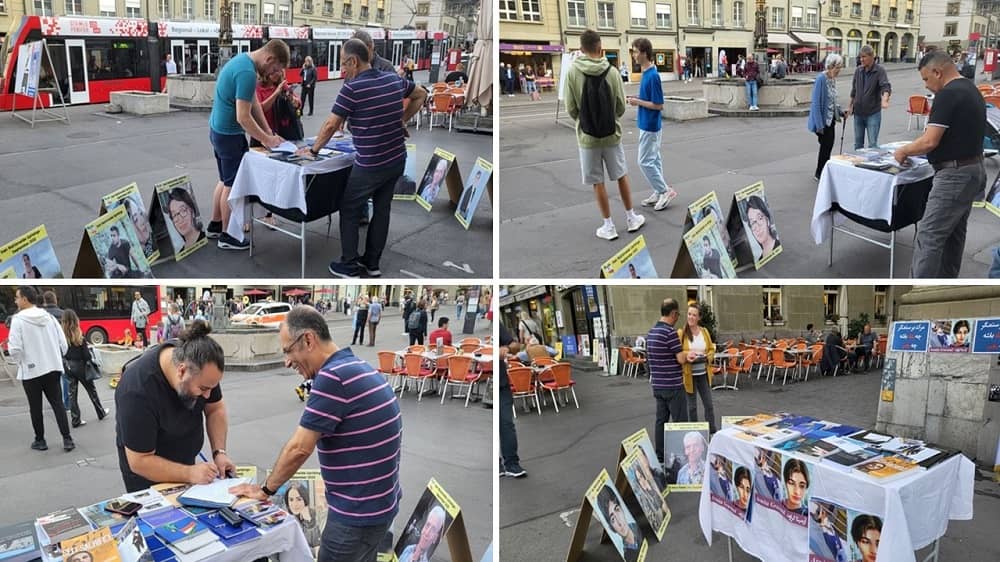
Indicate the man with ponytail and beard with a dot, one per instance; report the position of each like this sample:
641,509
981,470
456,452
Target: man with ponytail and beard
168,398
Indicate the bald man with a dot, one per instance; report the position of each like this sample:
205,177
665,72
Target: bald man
430,535
953,143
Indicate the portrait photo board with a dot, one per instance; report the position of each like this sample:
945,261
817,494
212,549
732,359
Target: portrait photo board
446,164
406,186
708,205
603,486
130,198
681,477
453,530
163,226
640,440
41,255
951,335
473,192
730,485
745,199
650,498
310,482
96,258
710,263
832,529
633,258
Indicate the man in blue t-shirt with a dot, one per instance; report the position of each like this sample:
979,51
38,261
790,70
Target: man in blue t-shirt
352,420
236,112
650,102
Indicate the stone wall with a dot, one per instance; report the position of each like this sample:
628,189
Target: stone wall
634,309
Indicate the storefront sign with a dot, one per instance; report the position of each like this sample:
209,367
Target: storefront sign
987,336
909,336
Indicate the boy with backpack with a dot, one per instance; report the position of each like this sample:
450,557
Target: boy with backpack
593,91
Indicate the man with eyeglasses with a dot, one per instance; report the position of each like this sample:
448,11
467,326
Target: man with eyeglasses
353,415
373,101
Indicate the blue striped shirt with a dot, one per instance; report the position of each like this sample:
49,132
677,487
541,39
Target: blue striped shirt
373,101
354,409
662,347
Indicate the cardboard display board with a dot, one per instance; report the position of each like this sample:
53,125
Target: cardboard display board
471,310
708,206
759,230
110,249
601,500
131,199
950,336
703,253
640,441
436,516
781,484
481,180
441,170
29,65
731,486
175,217
306,485
406,186
30,256
685,453
35,74
652,503
632,262
730,421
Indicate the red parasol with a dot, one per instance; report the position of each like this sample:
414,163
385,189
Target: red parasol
772,50
256,292
831,48
295,292
324,291
803,50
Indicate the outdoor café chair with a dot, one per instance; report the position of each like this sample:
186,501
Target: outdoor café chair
459,373
416,371
387,366
779,362
561,381
521,387
917,106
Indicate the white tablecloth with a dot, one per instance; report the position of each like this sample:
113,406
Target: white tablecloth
915,509
282,184
868,193
286,540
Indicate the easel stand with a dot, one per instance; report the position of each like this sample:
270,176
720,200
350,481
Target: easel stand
36,104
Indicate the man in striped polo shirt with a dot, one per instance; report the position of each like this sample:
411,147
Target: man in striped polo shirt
373,101
664,358
353,416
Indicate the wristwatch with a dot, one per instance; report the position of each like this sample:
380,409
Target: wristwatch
313,151
218,452
267,490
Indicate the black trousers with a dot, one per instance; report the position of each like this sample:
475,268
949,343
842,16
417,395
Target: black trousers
308,92
826,139
416,338
508,433
670,405
74,404
50,386
376,184
360,321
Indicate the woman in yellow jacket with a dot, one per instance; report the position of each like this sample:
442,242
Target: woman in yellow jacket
700,349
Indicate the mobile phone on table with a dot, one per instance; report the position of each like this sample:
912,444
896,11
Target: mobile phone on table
123,507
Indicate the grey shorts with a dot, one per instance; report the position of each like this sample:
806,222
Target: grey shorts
593,161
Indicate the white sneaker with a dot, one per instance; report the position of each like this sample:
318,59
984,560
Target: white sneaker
651,200
607,232
635,222
663,200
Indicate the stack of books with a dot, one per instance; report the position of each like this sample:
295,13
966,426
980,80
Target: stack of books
261,513
187,538
18,543
230,535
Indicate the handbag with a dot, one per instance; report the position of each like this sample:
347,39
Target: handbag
286,119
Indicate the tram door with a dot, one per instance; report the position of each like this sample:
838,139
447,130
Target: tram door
333,64
76,56
204,57
241,46
177,51
397,53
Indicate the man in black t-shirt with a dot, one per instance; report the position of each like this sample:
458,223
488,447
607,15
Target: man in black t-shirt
165,401
953,143
511,463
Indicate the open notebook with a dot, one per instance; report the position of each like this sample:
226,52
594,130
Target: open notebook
212,495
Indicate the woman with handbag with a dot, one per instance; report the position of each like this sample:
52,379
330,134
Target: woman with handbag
308,74
81,368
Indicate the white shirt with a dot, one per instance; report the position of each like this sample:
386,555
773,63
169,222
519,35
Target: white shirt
697,344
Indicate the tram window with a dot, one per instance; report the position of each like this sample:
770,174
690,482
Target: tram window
320,49
111,59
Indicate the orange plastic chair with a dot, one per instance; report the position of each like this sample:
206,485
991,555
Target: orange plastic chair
442,103
415,370
460,375
814,359
880,345
993,100
387,366
627,359
917,106
561,381
449,349
469,347
762,359
512,364
778,361
521,387
543,361
416,349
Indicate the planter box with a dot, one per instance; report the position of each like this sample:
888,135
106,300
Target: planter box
141,103
113,357
676,108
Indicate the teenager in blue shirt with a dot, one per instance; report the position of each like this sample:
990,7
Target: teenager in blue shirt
650,102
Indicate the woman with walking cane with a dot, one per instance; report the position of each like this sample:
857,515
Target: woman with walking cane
824,111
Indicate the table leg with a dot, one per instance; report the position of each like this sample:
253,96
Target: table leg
729,546
892,251
829,262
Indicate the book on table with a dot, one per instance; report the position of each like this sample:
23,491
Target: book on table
212,495
182,529
63,524
99,516
18,543
811,448
889,468
206,553
776,437
132,546
849,453
99,544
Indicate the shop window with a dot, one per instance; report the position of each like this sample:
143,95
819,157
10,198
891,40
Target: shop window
831,301
772,306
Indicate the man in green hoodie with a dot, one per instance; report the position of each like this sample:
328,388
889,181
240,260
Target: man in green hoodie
599,134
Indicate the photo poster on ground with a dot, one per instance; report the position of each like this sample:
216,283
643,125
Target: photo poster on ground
911,335
110,249
840,534
625,534
708,205
436,517
30,256
481,181
471,309
640,440
646,492
888,386
704,250
950,336
406,186
685,454
558,346
584,346
303,497
250,472
8,273
632,262
174,216
987,338
730,485
760,232
613,367
442,170
131,199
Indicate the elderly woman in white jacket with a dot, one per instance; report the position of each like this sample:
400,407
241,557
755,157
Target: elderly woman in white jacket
37,344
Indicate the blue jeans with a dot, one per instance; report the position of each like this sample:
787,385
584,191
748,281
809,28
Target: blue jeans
752,93
344,543
687,74
530,85
650,160
871,123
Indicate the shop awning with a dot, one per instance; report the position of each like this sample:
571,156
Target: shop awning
528,48
780,39
806,37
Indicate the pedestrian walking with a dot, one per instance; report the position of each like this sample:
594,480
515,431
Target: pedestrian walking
78,359
510,462
596,100
416,323
140,315
824,111
870,92
649,103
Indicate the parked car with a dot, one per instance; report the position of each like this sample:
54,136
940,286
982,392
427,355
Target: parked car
263,314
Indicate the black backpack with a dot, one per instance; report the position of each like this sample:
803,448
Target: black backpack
286,119
597,117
